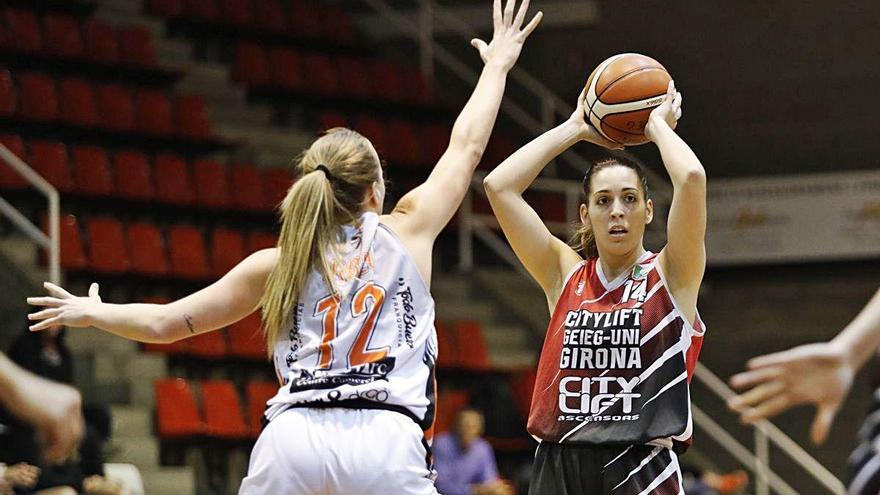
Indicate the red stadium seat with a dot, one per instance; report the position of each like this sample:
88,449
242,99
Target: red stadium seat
415,86
447,346
387,80
474,355
227,250
239,12
147,246
250,65
286,68
208,345
355,72
191,117
374,130
173,183
177,415
405,147
205,10
276,182
73,254
9,177
153,112
329,120
305,19
137,46
247,190
102,41
223,412
246,339
258,393
23,30
91,171
39,100
115,107
435,140
8,96
321,74
336,25
212,184
165,8
61,35
107,250
261,240
269,15
50,160
134,179
78,105
186,247
449,403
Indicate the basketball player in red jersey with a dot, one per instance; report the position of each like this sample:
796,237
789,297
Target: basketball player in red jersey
820,374
611,404
346,305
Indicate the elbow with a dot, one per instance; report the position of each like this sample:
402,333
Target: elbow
158,334
696,176
490,185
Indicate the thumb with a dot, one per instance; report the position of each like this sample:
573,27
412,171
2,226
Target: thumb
480,45
822,423
93,291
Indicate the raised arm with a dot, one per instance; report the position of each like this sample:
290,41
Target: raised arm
684,257
423,212
547,258
226,301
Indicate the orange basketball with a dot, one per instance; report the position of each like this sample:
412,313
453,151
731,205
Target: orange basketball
621,93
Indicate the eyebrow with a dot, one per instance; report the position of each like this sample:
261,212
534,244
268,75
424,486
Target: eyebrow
624,190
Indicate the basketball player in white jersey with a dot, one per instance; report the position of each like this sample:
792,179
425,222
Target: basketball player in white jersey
611,404
346,305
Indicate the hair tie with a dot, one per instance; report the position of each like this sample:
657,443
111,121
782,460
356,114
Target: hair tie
323,168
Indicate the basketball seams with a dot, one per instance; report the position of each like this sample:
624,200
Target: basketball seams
624,75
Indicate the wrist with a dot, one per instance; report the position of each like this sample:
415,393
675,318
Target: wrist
498,66
850,353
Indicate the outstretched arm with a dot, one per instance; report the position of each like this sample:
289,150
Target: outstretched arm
425,211
226,301
819,374
545,256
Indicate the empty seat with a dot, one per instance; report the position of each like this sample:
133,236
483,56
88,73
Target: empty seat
286,68
247,190
186,249
208,345
447,346
50,160
329,120
356,74
9,177
258,393
173,182
246,339
102,41
107,250
270,15
177,415
137,46
39,100
212,184
153,112
405,147
261,240
276,182
250,66
147,247
321,73
91,171
474,355
115,107
237,12
205,10
23,30
223,412
191,117
134,179
72,251
61,35
387,80
227,250
78,105
8,96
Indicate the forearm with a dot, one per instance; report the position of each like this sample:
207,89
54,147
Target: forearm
9,377
149,323
861,337
517,172
474,124
680,161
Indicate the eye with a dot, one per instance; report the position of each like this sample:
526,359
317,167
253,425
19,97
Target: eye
631,198
602,200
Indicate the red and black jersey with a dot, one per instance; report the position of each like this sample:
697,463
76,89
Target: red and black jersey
617,360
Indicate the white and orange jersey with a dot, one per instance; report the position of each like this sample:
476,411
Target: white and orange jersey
372,343
617,361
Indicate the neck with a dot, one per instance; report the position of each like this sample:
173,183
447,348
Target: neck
615,264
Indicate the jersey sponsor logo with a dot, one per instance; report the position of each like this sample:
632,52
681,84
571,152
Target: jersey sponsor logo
404,312
580,418
606,340
584,395
359,375
294,338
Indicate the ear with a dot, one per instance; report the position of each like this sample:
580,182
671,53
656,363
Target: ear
584,213
649,211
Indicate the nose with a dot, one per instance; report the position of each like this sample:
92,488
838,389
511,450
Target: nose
617,209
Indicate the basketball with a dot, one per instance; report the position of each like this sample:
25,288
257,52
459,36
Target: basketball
621,92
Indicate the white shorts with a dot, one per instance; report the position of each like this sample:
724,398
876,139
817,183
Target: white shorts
333,451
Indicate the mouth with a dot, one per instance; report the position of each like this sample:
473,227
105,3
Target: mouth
617,231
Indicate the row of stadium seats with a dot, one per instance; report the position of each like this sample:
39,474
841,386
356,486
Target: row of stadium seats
34,96
462,345
288,70
219,414
93,171
243,340
297,18
107,246
64,36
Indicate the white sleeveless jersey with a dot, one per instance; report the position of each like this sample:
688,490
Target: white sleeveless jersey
372,344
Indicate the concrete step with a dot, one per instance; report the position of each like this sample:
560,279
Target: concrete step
450,286
142,451
465,309
173,52
131,421
169,481
513,359
92,340
507,337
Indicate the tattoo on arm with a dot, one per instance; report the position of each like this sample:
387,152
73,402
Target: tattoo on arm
189,323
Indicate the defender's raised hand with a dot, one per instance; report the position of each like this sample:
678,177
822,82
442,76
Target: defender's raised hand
509,35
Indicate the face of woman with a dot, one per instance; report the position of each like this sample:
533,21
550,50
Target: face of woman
617,210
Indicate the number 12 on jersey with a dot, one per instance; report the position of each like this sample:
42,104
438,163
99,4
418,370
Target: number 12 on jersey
360,353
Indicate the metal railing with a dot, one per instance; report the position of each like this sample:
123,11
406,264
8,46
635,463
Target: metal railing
49,242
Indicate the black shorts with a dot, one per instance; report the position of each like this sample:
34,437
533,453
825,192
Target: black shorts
568,469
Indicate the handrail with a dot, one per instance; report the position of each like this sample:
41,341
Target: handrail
50,242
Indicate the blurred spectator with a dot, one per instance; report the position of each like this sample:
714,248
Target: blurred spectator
705,482
464,460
